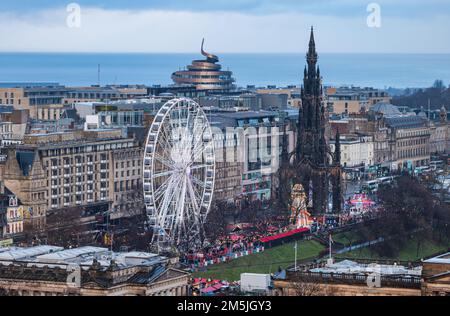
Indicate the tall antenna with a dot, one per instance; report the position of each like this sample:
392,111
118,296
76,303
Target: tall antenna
429,109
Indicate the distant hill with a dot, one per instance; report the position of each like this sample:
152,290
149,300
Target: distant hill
438,96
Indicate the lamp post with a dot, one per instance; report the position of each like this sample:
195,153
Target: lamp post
295,264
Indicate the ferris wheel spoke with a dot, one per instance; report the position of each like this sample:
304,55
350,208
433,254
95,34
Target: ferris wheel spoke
196,167
180,203
163,174
199,136
159,193
193,196
165,210
197,154
187,131
197,181
199,148
166,141
198,144
180,119
197,195
167,162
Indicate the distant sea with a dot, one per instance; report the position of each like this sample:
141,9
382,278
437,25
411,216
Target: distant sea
375,70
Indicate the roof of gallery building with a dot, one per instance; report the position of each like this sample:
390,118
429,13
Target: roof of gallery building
85,257
386,109
50,270
406,121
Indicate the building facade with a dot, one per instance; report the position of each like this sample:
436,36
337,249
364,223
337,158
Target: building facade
205,75
88,271
356,151
103,93
409,141
61,170
14,218
352,278
249,143
439,137
350,100
43,101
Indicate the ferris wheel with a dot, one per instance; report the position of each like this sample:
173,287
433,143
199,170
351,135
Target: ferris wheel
179,174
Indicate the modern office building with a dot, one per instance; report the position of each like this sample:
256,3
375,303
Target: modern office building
253,140
232,103
176,91
350,100
42,100
104,93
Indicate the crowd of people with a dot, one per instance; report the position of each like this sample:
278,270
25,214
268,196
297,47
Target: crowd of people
245,238
241,240
358,209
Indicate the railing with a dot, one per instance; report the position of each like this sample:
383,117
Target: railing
383,261
204,263
354,279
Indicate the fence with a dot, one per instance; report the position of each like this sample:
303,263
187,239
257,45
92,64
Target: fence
203,263
413,282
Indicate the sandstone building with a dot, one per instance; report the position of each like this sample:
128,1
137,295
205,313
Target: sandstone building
61,170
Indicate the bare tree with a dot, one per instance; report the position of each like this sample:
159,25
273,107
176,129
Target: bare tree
216,222
306,288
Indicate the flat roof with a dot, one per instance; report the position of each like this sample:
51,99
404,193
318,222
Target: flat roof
53,256
352,267
248,114
26,253
67,254
28,84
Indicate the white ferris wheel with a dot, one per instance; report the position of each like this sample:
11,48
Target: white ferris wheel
179,174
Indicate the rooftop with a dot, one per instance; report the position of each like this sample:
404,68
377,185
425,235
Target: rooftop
352,267
14,253
406,121
83,256
386,109
28,84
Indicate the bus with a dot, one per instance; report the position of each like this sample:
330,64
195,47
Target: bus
371,186
386,180
438,164
422,170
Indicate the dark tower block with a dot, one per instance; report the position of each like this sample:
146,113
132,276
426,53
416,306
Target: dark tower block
312,152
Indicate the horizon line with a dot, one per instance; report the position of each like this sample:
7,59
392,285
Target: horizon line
223,53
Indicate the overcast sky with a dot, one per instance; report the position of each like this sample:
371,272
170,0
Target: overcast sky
264,26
